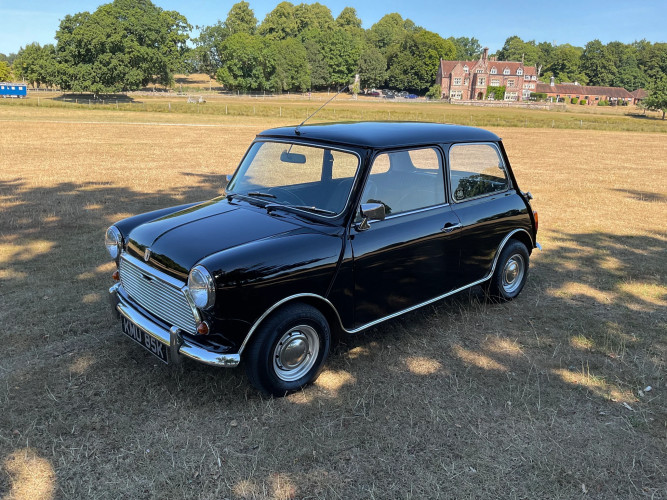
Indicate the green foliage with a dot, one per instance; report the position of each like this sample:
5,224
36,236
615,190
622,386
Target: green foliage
603,103
9,59
574,100
5,72
36,64
389,32
246,62
319,70
583,101
498,93
597,64
341,51
289,64
657,95
348,19
467,49
538,96
121,46
434,93
240,19
280,23
515,49
372,68
415,65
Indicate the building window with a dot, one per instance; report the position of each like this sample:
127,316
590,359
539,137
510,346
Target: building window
533,77
510,83
495,82
510,96
494,70
506,71
526,94
481,80
527,77
466,81
457,81
480,70
519,71
455,94
465,69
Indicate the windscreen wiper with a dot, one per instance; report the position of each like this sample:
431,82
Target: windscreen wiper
260,194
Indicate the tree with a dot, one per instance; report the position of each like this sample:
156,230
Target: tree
311,17
240,19
372,68
515,49
628,74
246,63
9,59
467,49
565,64
289,69
389,31
597,64
280,23
348,19
415,65
5,71
657,95
319,70
341,51
121,46
36,64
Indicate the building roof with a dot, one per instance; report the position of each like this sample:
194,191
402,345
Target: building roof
383,134
570,88
639,94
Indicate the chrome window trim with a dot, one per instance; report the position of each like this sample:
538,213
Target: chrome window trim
411,212
385,318
355,178
510,187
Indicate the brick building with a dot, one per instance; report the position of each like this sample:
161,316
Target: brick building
469,80
592,94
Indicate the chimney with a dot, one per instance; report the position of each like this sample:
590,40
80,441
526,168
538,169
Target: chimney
553,81
485,54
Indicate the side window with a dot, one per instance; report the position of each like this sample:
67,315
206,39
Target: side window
476,170
405,180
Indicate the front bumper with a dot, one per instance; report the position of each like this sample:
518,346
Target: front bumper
179,347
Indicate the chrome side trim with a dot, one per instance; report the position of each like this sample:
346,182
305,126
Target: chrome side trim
172,338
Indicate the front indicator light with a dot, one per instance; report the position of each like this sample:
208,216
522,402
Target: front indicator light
116,275
202,329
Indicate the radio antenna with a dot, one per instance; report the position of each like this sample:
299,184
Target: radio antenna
296,130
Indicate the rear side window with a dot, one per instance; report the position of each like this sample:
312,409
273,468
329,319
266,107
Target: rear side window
476,170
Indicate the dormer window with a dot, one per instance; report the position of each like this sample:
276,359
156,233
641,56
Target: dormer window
519,71
533,77
465,69
506,71
494,70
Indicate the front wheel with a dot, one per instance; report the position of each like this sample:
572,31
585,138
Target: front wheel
511,272
289,350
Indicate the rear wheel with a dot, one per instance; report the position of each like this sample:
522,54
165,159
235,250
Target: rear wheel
288,350
511,272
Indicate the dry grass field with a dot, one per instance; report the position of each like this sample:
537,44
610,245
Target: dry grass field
543,397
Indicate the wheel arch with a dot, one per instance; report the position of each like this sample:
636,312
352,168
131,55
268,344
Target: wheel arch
323,305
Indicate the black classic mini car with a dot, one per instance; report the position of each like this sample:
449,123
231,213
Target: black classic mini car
322,229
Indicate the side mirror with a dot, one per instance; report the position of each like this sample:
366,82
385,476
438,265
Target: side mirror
370,211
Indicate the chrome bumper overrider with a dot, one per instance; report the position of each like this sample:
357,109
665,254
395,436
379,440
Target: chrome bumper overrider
172,338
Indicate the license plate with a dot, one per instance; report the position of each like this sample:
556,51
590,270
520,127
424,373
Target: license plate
149,343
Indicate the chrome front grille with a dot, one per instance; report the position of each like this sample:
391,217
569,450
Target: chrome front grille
158,295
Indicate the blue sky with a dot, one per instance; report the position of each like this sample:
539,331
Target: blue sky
576,22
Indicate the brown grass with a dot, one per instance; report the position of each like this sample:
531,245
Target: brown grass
538,398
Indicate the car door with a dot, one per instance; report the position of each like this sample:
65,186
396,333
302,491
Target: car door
488,208
412,256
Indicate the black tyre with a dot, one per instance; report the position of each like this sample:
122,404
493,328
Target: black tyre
511,272
288,350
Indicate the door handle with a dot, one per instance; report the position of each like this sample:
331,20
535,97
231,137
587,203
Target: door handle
449,227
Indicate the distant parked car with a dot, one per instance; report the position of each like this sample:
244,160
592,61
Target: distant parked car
374,93
402,93
411,96
323,229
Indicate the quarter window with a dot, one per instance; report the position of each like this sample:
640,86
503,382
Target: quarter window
405,180
476,170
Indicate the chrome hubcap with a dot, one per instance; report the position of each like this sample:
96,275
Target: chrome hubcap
296,353
513,273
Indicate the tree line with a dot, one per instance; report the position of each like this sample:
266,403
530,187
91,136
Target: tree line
126,44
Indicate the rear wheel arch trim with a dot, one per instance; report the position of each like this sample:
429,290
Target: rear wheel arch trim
502,245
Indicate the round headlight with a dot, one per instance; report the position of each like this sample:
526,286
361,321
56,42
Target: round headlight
201,287
113,241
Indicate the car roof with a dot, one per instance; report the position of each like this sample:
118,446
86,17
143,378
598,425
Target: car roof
383,134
